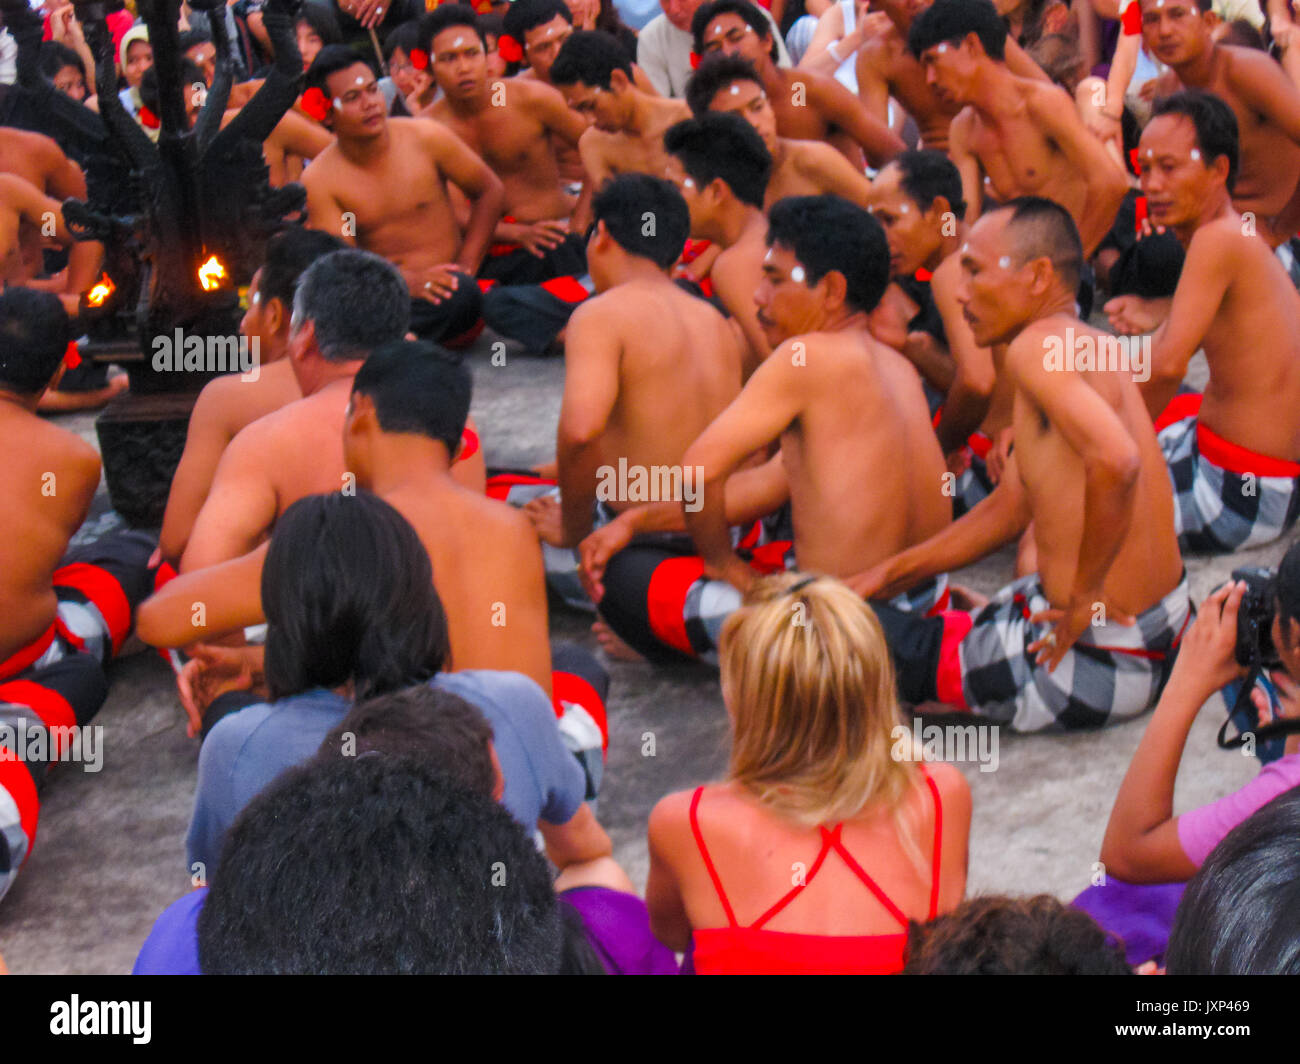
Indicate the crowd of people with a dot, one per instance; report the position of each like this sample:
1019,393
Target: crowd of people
850,295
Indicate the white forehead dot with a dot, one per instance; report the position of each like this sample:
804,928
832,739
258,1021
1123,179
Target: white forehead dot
941,49
360,80
458,42
735,90
965,248
1195,154
1005,262
1160,3
256,299
688,183
797,275
903,208
718,31
770,253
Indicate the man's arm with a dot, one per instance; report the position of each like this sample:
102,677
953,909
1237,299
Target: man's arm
734,283
873,86
593,350
241,507
967,401
556,115
834,173
324,212
1264,86
591,150
841,108
469,173
230,594
967,163
580,839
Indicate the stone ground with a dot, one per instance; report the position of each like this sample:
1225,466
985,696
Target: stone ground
110,853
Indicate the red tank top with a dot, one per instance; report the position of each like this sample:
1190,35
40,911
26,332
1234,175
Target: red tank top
737,950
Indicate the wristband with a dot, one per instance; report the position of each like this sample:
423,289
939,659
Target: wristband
834,52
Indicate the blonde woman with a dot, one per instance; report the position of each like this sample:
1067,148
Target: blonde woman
827,835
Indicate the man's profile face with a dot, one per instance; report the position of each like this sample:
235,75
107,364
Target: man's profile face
686,185
253,323
912,234
787,306
356,102
990,281
1175,179
542,44
459,62
948,69
748,100
204,56
599,107
729,34
1175,31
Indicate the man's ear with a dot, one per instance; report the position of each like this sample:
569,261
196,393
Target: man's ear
974,45
1056,19
618,81
277,314
836,287
303,341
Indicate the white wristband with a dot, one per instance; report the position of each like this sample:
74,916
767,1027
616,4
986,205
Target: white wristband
834,52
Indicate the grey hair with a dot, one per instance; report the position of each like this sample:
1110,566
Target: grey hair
357,302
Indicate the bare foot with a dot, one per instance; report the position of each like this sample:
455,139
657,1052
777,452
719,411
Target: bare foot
965,598
612,644
56,402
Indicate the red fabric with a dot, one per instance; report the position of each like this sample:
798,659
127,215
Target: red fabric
463,340
569,687
104,591
1237,459
956,626
770,557
148,119
695,61
15,779
1131,20
484,285
923,274
315,104
164,575
510,49
694,249
72,356
1139,214
50,706
469,444
24,658
566,288
499,484
419,59
980,444
666,600
1183,405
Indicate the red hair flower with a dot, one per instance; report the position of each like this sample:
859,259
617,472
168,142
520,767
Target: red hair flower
71,357
315,104
419,59
695,61
148,119
1131,20
510,49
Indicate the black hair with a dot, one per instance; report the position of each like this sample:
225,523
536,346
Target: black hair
347,587
588,58
192,37
34,335
322,21
1013,936
1242,34
1215,124
1238,913
56,56
149,94
417,387
829,233
577,955
434,726
951,21
355,300
444,17
1042,228
714,74
1286,586
1060,58
405,36
645,215
288,254
490,24
378,865
722,145
742,9
330,60
525,15
927,175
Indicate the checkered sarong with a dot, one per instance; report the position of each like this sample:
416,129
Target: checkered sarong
1225,497
1112,673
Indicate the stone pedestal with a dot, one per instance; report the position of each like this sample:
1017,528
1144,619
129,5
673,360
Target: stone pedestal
141,438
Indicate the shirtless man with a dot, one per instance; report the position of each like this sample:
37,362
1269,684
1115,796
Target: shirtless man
728,83
808,106
1236,466
230,403
860,464
540,28
626,136
382,186
62,615
516,127
1023,135
1088,472
1265,101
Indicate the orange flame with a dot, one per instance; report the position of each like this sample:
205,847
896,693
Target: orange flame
211,274
100,291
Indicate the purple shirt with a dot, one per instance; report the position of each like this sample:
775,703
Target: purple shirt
1203,829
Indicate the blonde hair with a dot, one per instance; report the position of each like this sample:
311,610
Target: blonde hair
809,682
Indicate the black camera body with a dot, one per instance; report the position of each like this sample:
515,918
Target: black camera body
1255,620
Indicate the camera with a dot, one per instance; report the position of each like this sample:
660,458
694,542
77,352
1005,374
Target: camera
1255,620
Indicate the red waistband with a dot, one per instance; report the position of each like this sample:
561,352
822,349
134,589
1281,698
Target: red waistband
1237,459
1181,406
28,655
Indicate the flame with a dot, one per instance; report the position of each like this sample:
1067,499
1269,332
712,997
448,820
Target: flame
100,291
211,274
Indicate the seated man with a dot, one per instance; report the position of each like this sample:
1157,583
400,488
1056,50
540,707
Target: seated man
230,403
382,185
836,400
517,127
1234,453
1085,641
63,614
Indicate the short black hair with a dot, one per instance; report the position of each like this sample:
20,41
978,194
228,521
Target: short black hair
1215,124
927,175
714,74
320,18
1287,585
444,17
951,21
417,387
424,722
378,865
722,145
56,56
288,254
1241,33
829,233
355,300
524,15
405,36
348,592
192,37
34,335
588,58
1238,913
646,216
330,60
743,9
1042,228
1013,936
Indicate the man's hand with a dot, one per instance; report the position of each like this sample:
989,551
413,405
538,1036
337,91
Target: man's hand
871,583
734,571
367,12
537,238
1133,315
595,551
1070,623
996,459
547,519
958,461
436,283
213,671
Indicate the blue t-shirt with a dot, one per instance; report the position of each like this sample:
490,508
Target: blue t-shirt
247,750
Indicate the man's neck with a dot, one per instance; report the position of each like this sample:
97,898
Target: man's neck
773,81
948,246
632,268
990,90
331,377
472,106
1219,206
1062,303
365,150
844,320
15,400
734,221
402,461
640,114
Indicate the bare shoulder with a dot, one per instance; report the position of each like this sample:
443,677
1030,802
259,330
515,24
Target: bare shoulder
946,274
1223,237
1044,97
606,310
669,825
951,783
962,126
1030,344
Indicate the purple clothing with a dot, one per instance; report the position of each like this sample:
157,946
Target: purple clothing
1139,914
1203,829
172,947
